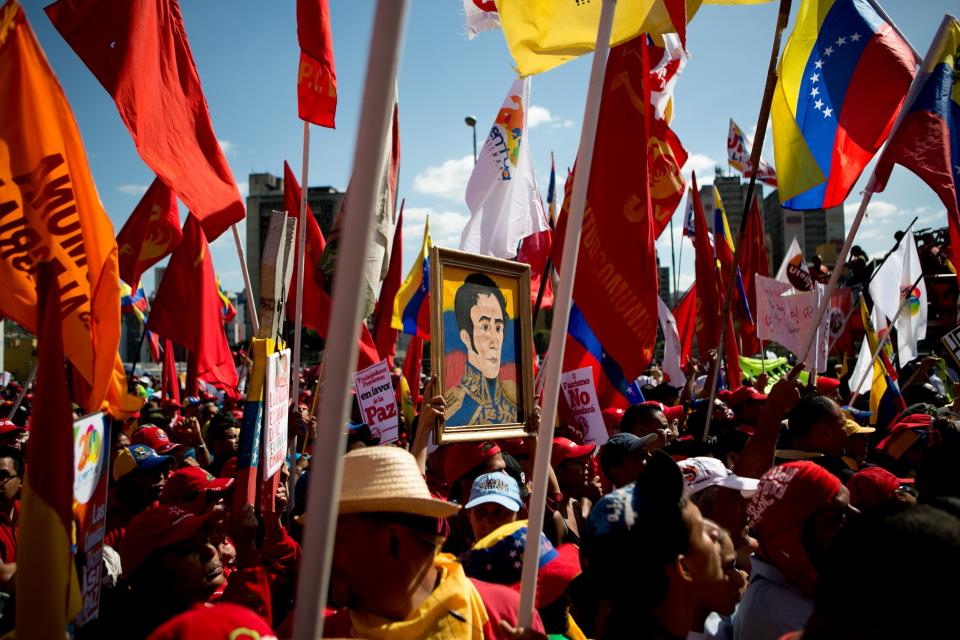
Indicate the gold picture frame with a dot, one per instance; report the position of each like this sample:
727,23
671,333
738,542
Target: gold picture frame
481,305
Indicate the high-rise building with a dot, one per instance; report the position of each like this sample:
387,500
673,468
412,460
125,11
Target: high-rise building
266,196
819,232
733,193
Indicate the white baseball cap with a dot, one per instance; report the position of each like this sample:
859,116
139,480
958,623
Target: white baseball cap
702,472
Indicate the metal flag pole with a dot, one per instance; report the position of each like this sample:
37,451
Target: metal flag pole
251,303
341,356
561,315
881,343
301,253
23,391
765,104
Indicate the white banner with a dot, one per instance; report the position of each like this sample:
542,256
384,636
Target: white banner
785,319
481,15
581,397
276,412
378,401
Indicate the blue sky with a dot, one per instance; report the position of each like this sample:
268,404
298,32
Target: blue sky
246,53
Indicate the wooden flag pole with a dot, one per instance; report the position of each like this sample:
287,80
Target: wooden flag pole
251,303
867,195
561,316
342,344
765,104
301,253
880,344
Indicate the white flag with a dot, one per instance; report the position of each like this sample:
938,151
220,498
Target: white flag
786,318
885,285
481,16
671,345
912,323
793,269
502,193
860,370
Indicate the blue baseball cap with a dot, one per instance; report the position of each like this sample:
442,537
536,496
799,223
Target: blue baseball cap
138,457
496,487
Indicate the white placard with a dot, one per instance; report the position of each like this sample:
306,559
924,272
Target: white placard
580,394
785,319
378,401
276,412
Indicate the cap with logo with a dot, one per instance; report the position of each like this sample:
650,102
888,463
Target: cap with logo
497,488
138,457
702,472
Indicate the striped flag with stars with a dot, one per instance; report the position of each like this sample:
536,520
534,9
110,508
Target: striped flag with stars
843,76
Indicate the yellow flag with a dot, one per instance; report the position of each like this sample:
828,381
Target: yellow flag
50,211
878,383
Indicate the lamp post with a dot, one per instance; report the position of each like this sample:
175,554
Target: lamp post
472,123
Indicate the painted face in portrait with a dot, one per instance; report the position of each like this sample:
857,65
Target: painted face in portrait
484,346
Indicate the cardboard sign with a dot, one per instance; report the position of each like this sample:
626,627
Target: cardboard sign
378,401
580,394
276,412
785,319
91,451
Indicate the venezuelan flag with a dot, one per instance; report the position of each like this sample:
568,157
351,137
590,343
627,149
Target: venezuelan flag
584,349
885,398
229,311
927,140
842,77
721,234
133,302
411,307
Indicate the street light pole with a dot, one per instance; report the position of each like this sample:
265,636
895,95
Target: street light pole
472,123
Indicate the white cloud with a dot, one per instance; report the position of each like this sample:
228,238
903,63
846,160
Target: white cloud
228,147
704,166
445,228
538,115
448,181
243,188
566,124
884,218
132,189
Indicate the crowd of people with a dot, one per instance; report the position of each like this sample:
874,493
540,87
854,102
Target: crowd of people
797,516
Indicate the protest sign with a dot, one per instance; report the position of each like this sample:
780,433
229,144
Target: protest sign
784,319
378,401
90,453
580,394
278,395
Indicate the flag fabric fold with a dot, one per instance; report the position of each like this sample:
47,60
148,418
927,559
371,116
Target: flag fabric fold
927,140
481,15
316,303
892,285
317,74
754,261
685,314
188,310
384,335
151,233
140,54
843,74
411,305
671,346
739,148
502,192
709,302
47,587
49,207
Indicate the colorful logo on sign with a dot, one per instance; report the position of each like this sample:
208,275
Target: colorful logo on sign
798,275
913,301
508,127
88,455
89,448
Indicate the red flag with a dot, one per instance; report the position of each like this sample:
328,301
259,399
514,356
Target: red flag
151,233
384,334
709,304
841,327
753,261
685,313
170,385
368,354
316,77
140,54
412,364
616,279
47,579
535,251
731,354
316,302
188,311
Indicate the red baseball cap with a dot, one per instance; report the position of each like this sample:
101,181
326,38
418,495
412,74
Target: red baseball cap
827,385
746,394
672,413
515,446
8,426
611,419
222,621
872,486
155,528
466,456
184,484
155,438
564,449
904,434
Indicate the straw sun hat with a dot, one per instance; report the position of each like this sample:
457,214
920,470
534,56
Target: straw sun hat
387,479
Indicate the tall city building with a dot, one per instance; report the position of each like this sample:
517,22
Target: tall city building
266,196
819,232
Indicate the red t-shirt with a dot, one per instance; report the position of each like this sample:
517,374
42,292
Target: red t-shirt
8,535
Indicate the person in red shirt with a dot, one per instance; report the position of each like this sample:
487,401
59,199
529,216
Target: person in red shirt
11,474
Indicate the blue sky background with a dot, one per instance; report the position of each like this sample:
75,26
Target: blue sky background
246,53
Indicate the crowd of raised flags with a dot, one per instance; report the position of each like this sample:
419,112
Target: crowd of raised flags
847,84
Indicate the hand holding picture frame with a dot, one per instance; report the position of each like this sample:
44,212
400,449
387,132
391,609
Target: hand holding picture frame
481,345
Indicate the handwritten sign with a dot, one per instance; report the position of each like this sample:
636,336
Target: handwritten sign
277,411
378,402
580,394
785,319
91,449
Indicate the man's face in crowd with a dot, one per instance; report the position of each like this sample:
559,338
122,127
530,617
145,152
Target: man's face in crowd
724,595
821,528
487,340
229,443
730,512
149,483
831,433
573,475
14,440
9,481
488,517
196,566
702,559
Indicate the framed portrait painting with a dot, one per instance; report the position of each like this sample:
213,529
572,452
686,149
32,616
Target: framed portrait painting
481,345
